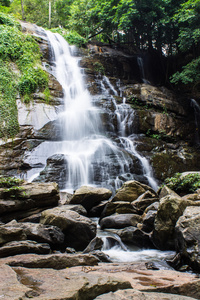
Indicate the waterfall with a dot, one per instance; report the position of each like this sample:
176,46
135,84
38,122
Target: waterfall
91,157
196,108
142,70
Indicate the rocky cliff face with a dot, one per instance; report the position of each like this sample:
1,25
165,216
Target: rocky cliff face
164,122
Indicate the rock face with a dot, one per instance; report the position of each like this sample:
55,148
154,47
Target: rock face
188,236
78,230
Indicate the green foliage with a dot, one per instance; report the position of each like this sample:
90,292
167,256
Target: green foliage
31,80
8,108
20,71
99,68
11,187
8,182
72,37
184,184
190,73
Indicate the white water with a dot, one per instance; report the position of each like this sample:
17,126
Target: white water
92,158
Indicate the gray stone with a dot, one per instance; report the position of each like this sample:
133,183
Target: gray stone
120,221
78,230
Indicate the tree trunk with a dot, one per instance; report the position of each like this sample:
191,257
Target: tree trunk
23,14
50,14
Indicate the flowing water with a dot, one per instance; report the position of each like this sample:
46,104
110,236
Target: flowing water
196,108
91,156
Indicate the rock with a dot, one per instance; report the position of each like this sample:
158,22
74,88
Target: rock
10,287
63,284
77,208
166,191
169,211
118,207
153,206
135,236
131,294
144,201
101,256
36,232
32,196
10,233
97,210
78,230
89,197
55,170
188,236
95,244
52,261
148,221
120,221
131,190
18,247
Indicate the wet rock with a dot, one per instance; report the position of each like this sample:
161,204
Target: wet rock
148,221
118,207
21,247
50,131
188,236
89,197
144,201
120,221
169,211
158,97
52,261
95,244
78,230
101,256
97,210
55,170
135,236
131,190
77,208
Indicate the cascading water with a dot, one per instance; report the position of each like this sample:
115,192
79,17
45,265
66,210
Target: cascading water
142,70
196,108
91,158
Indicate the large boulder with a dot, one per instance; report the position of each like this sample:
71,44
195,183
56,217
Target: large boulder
53,261
131,190
118,207
31,231
29,197
89,197
78,230
188,236
169,210
21,247
134,236
120,221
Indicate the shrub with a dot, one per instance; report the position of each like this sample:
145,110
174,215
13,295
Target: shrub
184,184
72,37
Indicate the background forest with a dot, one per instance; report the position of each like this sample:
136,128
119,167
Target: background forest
170,27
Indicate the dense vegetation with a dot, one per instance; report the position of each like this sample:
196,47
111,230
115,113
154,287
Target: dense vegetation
20,72
168,27
186,184
171,27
